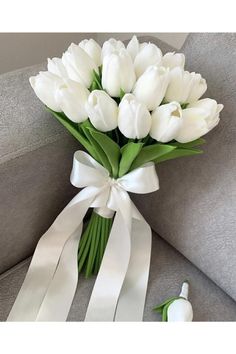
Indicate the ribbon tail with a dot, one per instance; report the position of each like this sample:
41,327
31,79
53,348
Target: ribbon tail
131,302
105,294
60,294
49,257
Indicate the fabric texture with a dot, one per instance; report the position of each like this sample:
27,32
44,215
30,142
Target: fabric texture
31,197
168,270
195,208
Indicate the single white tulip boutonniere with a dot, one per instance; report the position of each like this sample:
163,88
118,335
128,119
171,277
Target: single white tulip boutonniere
178,308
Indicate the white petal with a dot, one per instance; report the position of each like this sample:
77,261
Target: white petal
133,47
194,125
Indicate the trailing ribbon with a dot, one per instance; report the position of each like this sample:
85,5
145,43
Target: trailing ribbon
120,288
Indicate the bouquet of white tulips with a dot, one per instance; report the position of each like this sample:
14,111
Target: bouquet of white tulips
131,108
126,106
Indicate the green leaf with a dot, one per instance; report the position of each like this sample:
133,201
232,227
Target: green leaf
122,93
159,308
100,154
184,105
73,129
100,72
129,153
151,153
110,148
164,313
177,153
96,82
191,144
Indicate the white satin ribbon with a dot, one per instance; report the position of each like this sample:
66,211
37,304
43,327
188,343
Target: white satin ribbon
120,288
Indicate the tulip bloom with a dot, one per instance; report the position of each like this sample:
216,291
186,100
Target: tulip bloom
72,97
180,310
102,111
149,54
166,122
134,119
118,73
133,47
111,46
93,49
79,65
198,119
172,60
55,66
185,87
151,87
45,86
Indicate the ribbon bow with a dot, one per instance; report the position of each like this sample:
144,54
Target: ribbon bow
120,288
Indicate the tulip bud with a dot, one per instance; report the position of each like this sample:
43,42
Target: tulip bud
148,55
151,86
79,65
93,49
102,111
133,47
111,46
55,66
72,97
45,86
199,87
172,60
134,119
198,119
212,108
180,310
166,122
185,87
118,73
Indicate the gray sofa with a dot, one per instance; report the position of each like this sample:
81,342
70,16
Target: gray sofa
192,216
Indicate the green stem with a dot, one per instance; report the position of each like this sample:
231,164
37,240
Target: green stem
93,243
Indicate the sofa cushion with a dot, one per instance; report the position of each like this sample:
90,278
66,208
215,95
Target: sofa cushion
168,270
195,207
35,161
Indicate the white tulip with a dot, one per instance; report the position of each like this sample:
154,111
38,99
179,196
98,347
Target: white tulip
171,60
134,119
102,111
45,86
133,47
212,108
111,46
180,310
72,97
93,49
55,66
79,65
198,119
166,122
148,55
185,87
151,86
198,89
118,73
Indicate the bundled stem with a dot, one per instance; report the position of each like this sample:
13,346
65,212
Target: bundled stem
93,243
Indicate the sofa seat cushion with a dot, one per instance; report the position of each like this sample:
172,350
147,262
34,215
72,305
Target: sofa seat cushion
168,270
195,208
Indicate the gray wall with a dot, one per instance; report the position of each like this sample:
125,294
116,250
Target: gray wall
18,50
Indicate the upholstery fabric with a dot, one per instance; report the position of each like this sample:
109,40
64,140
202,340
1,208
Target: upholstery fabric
35,162
195,207
168,270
